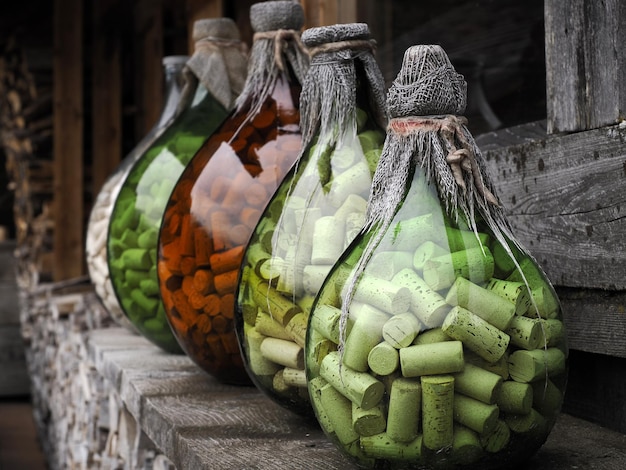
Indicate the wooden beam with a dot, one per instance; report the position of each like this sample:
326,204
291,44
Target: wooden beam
106,92
201,9
68,139
585,63
565,200
149,69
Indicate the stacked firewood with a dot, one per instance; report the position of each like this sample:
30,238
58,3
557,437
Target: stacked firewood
26,138
81,419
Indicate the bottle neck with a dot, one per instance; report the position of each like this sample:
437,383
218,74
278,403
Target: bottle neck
174,85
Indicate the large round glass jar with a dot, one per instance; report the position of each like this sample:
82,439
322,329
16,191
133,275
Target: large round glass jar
140,204
100,216
436,342
222,192
315,213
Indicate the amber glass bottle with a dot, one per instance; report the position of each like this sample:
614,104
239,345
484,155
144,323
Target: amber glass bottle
140,204
436,342
222,192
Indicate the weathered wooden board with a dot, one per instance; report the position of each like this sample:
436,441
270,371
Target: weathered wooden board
585,63
565,199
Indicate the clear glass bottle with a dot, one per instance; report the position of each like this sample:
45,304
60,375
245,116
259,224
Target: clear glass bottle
100,216
316,211
436,342
218,59
222,192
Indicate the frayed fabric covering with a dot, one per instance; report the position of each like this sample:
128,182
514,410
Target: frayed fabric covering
283,19
328,99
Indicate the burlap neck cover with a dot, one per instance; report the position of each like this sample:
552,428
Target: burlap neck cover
427,133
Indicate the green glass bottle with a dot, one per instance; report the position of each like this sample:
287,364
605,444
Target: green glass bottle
436,341
140,204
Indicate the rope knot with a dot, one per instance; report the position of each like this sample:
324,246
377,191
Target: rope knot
281,38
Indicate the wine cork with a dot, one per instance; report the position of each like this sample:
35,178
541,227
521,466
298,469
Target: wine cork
267,326
526,333
326,322
554,331
437,418
315,386
403,417
432,359
411,233
500,367
497,439
382,446
466,446
383,359
338,409
296,328
434,335
386,264
478,383
459,240
368,422
476,334
328,240
532,423
474,414
427,305
313,277
516,292
382,294
294,377
259,365
530,366
355,180
283,352
359,387
515,397
400,330
547,398
488,305
366,332
474,264
426,251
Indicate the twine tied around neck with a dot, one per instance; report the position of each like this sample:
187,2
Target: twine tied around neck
281,37
356,44
214,44
460,159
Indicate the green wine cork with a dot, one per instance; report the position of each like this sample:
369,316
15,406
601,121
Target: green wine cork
500,367
387,264
531,423
434,335
315,386
403,416
526,333
478,383
545,303
459,240
497,439
505,264
411,233
428,305
476,334
267,326
148,304
426,251
326,322
473,264
432,359
368,422
294,377
318,347
355,180
283,352
554,331
278,383
328,238
353,204
359,387
530,366
466,446
515,397
437,411
400,330
516,292
366,332
547,398
488,305
533,274
339,412
267,298
136,258
383,359
385,295
150,287
381,446
259,365
475,414
296,328
313,276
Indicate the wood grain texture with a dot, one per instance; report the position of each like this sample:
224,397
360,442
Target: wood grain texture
565,199
68,139
585,63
